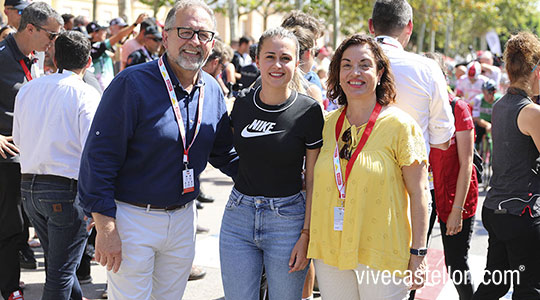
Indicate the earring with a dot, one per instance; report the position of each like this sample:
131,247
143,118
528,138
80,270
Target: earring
379,83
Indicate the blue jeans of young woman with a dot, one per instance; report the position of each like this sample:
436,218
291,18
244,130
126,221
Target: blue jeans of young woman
256,232
53,208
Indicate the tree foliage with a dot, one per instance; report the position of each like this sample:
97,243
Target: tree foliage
467,21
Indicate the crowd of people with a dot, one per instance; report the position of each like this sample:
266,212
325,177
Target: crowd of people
341,161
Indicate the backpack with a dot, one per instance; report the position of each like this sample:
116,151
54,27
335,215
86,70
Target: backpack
478,162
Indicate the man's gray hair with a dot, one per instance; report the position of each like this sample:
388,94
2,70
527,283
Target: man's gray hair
391,16
38,13
183,4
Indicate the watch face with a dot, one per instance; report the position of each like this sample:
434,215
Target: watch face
419,252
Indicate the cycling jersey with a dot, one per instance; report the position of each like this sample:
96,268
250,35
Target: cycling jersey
482,108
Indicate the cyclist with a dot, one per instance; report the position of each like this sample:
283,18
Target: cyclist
482,106
470,85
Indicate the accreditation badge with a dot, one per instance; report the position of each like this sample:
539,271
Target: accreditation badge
339,213
188,180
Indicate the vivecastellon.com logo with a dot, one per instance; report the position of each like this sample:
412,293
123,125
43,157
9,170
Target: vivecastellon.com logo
438,277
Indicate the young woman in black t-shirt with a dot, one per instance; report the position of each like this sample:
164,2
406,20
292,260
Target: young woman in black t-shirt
266,221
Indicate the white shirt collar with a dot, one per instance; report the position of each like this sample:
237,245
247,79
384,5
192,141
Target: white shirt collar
388,40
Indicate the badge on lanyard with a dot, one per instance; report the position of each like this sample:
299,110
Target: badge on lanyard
341,181
339,213
188,174
188,180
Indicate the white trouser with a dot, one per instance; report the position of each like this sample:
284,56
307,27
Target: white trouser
158,248
349,284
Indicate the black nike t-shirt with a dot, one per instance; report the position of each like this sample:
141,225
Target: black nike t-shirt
271,141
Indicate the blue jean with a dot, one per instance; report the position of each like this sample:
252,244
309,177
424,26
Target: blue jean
257,232
54,209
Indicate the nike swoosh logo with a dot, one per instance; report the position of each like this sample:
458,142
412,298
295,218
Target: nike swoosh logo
247,134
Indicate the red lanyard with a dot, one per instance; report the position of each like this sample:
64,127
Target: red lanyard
340,180
176,109
25,69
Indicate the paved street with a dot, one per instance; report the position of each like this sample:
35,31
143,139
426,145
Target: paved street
219,186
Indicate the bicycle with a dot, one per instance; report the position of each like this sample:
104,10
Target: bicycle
485,148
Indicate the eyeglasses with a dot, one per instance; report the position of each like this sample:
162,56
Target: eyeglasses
187,33
52,35
346,152
19,11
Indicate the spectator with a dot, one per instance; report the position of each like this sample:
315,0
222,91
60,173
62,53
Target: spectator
371,175
250,73
51,68
488,69
136,179
456,193
482,108
102,62
135,43
115,25
13,10
511,210
300,18
68,21
241,56
5,31
266,204
221,55
39,26
421,87
151,44
67,105
470,85
79,23
307,44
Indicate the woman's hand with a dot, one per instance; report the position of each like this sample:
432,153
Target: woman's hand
298,260
417,267
454,223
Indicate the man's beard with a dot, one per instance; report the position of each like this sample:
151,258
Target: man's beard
191,63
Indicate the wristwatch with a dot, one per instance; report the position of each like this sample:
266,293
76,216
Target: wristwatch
419,252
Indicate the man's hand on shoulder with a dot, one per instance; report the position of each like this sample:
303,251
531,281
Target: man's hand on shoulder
108,243
7,146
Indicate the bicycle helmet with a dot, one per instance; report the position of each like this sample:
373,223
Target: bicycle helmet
489,85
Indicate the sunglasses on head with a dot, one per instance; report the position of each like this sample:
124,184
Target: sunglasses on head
346,151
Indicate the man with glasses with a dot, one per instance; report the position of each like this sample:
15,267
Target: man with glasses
151,44
157,127
13,10
38,27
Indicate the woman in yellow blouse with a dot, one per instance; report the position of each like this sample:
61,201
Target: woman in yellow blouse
370,171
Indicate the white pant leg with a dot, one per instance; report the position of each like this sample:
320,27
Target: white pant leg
380,289
173,262
140,233
336,284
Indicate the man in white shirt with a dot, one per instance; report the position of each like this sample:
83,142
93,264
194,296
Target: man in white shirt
52,118
421,86
420,83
